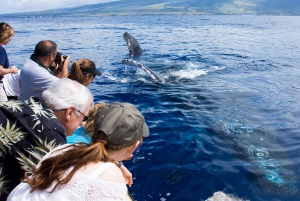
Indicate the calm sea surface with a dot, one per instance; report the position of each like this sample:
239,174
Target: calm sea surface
226,119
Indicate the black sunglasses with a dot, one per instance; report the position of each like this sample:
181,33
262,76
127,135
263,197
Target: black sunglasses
85,118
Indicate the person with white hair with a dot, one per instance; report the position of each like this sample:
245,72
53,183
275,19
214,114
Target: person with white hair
30,129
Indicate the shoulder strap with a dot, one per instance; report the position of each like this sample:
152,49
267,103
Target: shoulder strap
101,169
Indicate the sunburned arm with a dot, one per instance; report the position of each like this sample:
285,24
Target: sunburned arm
127,175
4,71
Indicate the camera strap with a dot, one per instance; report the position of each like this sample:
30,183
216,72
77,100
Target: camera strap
36,60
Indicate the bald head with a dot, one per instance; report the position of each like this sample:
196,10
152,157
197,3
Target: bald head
45,48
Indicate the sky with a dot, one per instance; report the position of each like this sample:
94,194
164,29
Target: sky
17,6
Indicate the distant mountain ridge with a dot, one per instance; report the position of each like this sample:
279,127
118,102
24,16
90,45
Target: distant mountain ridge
215,7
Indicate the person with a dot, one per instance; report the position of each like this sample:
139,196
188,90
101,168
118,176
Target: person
6,34
81,172
36,76
11,85
30,129
221,196
11,82
83,71
84,133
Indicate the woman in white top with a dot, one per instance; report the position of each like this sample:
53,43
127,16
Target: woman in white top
79,172
11,85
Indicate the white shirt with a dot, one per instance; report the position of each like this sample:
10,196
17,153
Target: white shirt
80,188
34,79
11,84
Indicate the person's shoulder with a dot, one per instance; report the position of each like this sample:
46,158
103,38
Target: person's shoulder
2,49
113,174
54,152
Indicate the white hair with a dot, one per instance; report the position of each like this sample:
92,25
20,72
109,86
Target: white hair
64,93
220,196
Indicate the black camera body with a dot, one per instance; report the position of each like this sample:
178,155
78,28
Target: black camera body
57,58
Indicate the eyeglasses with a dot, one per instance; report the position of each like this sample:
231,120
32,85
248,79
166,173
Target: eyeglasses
84,117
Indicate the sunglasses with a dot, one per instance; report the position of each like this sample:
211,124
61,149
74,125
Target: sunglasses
85,118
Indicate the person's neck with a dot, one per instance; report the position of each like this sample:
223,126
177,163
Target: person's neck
119,155
40,62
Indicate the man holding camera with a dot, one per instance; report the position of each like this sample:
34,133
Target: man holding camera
36,75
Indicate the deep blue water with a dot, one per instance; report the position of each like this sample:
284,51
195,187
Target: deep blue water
227,117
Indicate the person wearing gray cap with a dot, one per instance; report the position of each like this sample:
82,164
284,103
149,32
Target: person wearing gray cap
89,172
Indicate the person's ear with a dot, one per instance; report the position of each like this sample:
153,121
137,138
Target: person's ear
69,112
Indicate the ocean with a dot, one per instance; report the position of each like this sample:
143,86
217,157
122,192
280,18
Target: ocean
227,117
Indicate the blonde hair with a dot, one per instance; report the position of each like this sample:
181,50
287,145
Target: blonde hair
76,73
89,125
6,31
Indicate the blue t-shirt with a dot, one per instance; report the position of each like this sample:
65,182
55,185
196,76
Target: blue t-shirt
3,59
79,136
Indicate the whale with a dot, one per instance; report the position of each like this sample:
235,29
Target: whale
131,62
135,51
133,46
260,149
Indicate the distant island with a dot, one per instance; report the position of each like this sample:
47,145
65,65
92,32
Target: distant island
175,7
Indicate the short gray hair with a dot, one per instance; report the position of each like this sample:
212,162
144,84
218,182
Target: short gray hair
64,93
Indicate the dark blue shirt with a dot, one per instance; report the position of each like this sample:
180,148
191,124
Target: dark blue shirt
28,131
3,59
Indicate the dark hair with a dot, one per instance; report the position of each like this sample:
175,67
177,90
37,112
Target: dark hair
45,48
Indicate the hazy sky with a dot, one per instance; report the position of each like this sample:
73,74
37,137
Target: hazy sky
16,6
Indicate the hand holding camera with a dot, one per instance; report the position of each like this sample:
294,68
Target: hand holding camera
62,60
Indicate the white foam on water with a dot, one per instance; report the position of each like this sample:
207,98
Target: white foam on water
124,80
189,73
193,70
109,76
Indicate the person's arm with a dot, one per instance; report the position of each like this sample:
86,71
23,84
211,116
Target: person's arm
4,71
126,174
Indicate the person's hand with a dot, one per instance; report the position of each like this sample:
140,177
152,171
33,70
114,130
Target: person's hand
65,61
15,69
65,64
127,175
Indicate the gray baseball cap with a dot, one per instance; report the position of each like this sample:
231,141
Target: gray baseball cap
122,123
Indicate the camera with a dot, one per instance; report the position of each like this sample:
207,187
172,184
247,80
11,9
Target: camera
57,58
